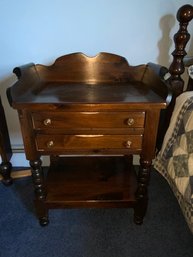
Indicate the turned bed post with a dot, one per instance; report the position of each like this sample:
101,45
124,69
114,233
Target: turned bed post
181,38
176,69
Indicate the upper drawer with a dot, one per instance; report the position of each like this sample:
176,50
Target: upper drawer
75,120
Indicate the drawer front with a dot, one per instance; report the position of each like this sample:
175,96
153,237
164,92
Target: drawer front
83,142
75,120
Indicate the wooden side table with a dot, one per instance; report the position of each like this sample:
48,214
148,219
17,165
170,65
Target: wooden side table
5,149
90,115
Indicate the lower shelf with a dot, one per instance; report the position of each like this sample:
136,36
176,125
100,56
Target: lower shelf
74,182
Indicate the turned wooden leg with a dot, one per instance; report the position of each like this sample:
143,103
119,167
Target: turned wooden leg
40,192
142,191
5,170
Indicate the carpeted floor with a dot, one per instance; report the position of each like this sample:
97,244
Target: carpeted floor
93,232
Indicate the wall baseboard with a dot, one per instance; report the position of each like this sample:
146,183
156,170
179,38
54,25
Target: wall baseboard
18,159
19,174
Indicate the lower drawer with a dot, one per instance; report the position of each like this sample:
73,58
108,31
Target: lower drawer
83,142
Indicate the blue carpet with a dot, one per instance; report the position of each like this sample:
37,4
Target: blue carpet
93,232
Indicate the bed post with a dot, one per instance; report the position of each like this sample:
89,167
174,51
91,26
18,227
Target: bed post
176,69
181,38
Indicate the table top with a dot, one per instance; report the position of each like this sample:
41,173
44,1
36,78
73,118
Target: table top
80,80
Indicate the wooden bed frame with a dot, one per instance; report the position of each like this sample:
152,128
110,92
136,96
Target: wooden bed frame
176,69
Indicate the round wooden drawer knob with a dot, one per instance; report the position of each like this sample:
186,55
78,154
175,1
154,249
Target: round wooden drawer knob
128,144
50,144
47,122
130,121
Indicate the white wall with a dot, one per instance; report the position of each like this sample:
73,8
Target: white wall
39,31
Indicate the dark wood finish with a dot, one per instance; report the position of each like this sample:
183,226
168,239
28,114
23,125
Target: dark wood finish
93,143
181,38
39,190
176,69
90,106
5,149
86,120
91,182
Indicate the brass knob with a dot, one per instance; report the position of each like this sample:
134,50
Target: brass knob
47,122
50,144
128,144
130,121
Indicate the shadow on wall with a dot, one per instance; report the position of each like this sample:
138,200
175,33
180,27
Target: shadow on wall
190,51
167,22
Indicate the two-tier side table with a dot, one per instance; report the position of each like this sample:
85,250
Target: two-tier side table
90,115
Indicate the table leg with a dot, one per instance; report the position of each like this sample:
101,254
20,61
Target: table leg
5,149
40,192
142,191
5,171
